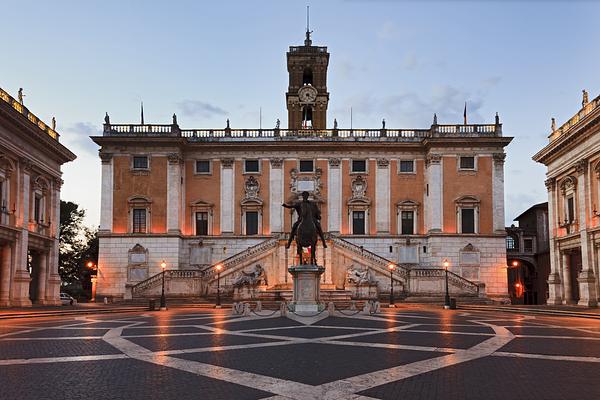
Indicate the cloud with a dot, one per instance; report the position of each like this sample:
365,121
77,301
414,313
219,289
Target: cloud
409,61
196,108
78,136
388,30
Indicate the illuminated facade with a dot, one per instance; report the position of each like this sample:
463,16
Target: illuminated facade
201,197
30,160
573,161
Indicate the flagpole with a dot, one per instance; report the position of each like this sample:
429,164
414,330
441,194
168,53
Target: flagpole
350,118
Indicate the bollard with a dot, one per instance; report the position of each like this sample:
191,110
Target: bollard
353,305
282,308
151,305
258,306
105,300
330,308
246,309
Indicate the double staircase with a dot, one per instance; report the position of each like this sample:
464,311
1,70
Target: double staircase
417,284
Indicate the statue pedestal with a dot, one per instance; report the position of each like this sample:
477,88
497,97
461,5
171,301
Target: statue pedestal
307,285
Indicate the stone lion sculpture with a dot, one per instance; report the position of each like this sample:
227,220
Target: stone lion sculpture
358,276
255,277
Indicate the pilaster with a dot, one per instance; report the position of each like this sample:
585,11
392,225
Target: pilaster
554,282
106,195
382,196
227,196
174,184
334,194
434,200
498,192
276,195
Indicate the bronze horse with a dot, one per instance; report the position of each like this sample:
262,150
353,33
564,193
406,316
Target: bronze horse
307,232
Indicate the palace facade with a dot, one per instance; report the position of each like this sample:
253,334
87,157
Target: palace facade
573,161
30,181
197,198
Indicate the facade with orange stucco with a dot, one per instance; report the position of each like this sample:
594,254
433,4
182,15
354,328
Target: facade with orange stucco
199,197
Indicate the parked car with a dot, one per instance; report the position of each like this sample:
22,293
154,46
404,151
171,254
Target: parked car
66,299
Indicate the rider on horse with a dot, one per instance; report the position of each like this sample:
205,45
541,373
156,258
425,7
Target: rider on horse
316,218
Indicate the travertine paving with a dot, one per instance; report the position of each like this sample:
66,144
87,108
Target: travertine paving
408,353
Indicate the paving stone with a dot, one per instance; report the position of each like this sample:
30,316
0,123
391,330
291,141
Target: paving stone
453,328
112,380
148,330
358,323
498,378
190,342
10,349
551,332
423,339
45,333
311,363
559,347
307,332
257,324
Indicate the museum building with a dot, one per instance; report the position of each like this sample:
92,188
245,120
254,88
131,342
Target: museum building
572,157
399,200
30,181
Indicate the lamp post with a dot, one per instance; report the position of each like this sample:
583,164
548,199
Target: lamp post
163,301
391,268
93,279
447,299
218,267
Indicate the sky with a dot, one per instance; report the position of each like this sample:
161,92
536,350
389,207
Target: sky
212,61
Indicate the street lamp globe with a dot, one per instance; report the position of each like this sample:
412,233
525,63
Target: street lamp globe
391,267
90,264
515,263
446,264
163,265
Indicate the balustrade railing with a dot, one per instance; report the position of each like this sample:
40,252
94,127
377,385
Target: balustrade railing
231,262
7,98
282,134
156,280
453,279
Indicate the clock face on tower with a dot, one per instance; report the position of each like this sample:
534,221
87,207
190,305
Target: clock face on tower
307,94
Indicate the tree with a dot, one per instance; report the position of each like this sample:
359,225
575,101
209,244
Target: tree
78,244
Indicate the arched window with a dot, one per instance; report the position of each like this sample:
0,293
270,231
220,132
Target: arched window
307,77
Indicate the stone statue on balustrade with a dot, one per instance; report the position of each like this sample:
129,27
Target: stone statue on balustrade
307,227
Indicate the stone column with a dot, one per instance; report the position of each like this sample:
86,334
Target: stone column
434,201
586,279
554,282
227,196
174,183
334,196
106,195
21,279
566,267
382,196
42,266
5,271
276,195
498,192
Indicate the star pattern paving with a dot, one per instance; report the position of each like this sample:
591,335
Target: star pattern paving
407,353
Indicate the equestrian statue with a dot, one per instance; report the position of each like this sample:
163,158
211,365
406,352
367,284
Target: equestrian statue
307,229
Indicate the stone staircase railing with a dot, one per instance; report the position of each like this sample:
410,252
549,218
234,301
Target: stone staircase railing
399,270
236,259
156,280
453,279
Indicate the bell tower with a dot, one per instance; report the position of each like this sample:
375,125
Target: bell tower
307,97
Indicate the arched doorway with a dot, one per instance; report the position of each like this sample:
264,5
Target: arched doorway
524,285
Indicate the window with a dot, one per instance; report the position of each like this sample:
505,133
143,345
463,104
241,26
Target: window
251,222
203,166
510,243
358,222
359,165
407,166
528,245
570,209
37,209
307,77
467,220
140,162
307,166
408,222
251,166
139,220
467,162
201,223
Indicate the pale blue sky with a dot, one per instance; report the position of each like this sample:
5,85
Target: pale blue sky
209,61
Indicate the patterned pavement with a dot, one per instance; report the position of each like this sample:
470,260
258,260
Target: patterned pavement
410,353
